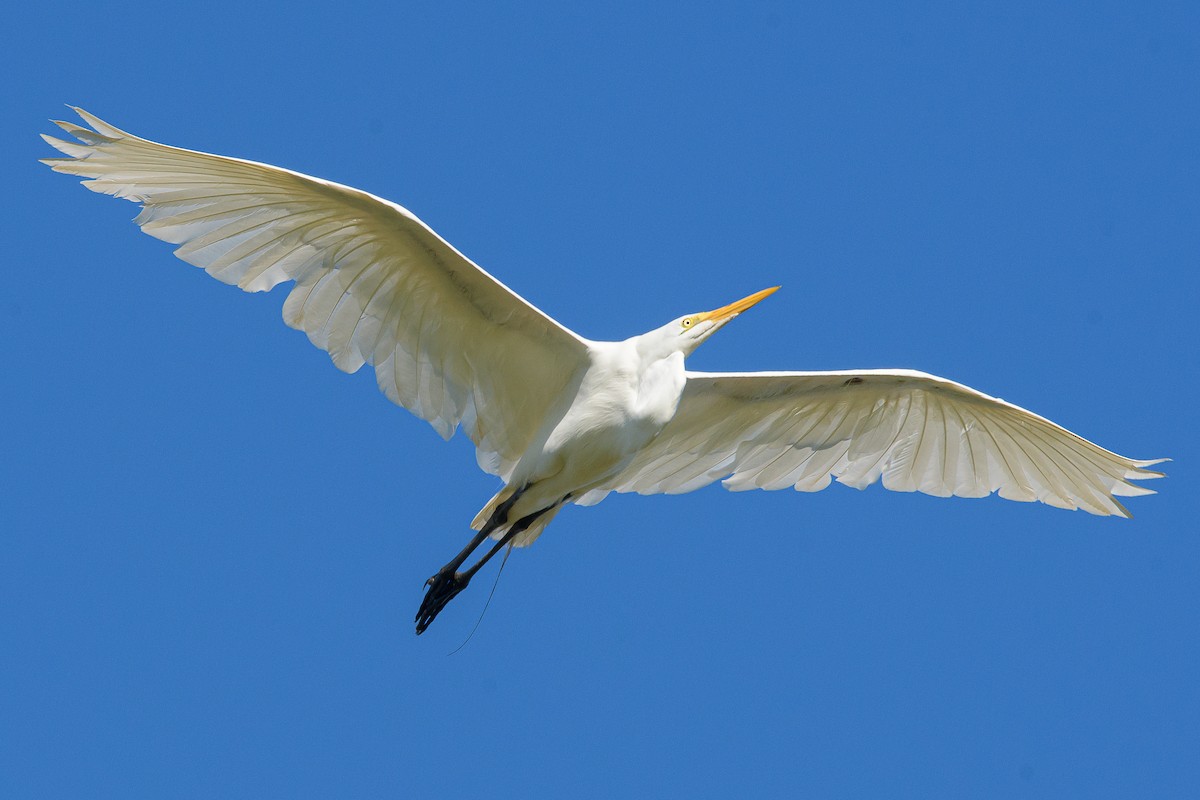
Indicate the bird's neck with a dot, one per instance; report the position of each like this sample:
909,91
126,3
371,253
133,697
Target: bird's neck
656,346
660,385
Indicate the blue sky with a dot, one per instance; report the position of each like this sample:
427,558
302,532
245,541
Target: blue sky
214,542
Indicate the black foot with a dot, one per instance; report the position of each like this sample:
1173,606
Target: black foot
442,589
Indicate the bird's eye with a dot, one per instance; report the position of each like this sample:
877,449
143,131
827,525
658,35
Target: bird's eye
687,323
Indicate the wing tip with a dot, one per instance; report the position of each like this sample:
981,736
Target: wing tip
100,131
98,125
1136,470
1140,466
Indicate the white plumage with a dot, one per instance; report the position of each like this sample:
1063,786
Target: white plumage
916,431
373,284
557,417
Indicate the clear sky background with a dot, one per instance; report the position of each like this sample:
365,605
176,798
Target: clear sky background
214,542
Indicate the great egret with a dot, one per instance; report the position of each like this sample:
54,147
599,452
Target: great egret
557,417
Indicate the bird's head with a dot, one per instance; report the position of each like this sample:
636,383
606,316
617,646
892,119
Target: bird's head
687,332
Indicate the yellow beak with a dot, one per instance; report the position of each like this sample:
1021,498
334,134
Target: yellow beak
733,309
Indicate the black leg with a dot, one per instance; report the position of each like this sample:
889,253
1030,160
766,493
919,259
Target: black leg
448,581
446,585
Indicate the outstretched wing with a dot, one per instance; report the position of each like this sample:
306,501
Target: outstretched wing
917,432
373,284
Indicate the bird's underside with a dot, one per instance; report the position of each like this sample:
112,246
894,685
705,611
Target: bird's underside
557,417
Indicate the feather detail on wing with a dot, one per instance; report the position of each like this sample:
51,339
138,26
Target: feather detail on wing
914,431
373,284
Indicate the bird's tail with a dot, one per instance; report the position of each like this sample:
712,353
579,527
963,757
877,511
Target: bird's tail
525,537
486,512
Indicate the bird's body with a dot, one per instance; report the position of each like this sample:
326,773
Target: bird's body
557,417
623,401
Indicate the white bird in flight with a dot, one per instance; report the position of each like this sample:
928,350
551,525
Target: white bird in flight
557,417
